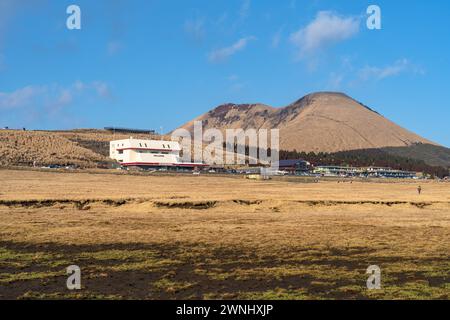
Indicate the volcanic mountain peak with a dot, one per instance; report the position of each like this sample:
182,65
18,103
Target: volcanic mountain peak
318,122
323,95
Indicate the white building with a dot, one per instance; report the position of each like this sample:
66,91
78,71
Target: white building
376,172
148,154
338,171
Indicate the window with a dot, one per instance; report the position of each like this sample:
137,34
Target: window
140,144
120,151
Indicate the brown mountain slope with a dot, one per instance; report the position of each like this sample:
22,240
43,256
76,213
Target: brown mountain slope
319,122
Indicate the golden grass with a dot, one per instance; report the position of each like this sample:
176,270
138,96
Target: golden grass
183,237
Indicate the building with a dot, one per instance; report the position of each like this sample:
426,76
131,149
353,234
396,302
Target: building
338,171
149,154
296,166
390,173
372,172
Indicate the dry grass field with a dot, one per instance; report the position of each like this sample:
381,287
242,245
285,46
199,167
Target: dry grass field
208,237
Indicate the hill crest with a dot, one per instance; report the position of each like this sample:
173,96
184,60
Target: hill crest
318,122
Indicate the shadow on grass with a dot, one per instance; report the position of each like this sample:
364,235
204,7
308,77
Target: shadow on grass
194,271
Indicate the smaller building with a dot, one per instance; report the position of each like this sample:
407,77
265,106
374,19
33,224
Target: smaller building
338,171
295,166
370,172
390,173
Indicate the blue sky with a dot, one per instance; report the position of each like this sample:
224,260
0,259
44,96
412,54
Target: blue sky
160,63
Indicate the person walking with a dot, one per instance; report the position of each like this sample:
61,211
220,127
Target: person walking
419,190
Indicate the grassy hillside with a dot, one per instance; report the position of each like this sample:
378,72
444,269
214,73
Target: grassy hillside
368,157
430,154
82,148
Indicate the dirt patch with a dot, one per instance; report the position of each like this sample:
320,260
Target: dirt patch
247,202
79,204
420,205
200,205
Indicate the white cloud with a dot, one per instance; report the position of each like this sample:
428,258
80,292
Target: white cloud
222,54
350,76
102,89
20,97
326,29
56,101
395,69
50,97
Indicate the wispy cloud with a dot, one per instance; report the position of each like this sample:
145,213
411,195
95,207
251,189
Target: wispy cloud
395,69
20,98
114,47
350,76
102,89
326,29
276,38
335,81
51,98
195,29
245,9
223,54
236,85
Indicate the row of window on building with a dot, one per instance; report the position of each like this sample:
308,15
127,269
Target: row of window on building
142,145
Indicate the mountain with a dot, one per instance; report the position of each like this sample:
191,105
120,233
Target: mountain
319,122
